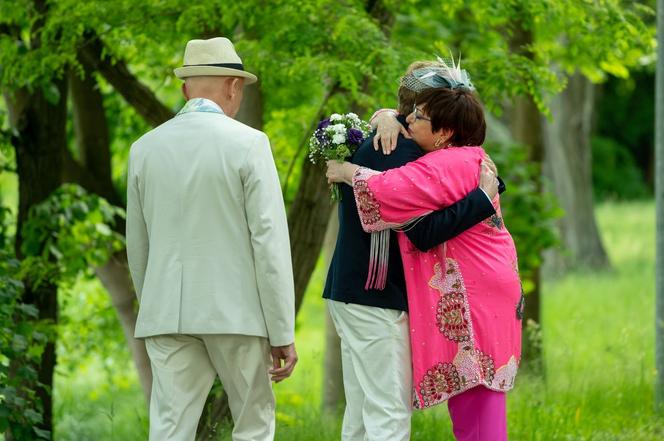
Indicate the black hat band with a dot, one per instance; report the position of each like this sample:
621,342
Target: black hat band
237,66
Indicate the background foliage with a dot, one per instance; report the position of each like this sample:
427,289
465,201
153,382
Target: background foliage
313,57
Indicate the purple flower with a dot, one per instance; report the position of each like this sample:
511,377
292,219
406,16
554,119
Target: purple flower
320,136
324,123
354,136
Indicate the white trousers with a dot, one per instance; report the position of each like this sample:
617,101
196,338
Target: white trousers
183,370
377,372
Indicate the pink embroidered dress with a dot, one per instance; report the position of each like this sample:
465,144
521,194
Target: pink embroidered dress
464,297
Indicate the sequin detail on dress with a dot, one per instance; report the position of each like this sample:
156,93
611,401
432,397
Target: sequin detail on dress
486,367
453,313
440,381
367,205
495,221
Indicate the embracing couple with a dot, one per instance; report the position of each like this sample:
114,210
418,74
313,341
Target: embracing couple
429,312
209,254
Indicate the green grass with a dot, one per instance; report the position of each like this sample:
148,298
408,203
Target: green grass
599,357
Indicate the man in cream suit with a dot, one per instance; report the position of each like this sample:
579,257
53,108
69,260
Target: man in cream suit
209,254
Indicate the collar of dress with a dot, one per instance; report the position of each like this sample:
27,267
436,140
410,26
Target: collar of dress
201,105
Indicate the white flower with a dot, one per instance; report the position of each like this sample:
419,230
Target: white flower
339,138
335,117
353,116
338,128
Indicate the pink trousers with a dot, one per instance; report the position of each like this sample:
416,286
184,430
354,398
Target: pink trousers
479,414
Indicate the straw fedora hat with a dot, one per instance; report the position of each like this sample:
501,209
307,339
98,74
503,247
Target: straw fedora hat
213,57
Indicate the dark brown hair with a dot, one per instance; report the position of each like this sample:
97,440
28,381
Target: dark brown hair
458,110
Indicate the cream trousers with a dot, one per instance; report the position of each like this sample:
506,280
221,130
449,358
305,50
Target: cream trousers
377,372
183,370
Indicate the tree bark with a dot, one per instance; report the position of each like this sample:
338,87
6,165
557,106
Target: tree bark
526,128
138,95
114,275
40,127
333,391
311,208
659,198
92,139
251,110
90,126
569,164
307,222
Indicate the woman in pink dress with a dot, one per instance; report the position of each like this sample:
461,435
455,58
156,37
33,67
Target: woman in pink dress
465,299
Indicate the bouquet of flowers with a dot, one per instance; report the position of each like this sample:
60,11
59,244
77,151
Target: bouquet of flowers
337,137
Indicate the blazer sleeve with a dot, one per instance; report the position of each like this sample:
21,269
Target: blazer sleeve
442,225
138,244
266,219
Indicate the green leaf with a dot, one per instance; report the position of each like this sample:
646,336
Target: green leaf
51,93
43,434
103,229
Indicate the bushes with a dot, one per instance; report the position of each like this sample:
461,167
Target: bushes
22,342
615,172
65,236
529,213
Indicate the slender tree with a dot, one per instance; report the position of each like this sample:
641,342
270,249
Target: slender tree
659,199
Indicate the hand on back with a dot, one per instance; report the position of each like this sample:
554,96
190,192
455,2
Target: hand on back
388,129
488,178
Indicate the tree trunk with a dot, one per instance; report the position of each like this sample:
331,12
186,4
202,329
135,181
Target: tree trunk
90,126
251,110
333,391
307,222
216,412
137,94
659,198
115,278
40,128
526,128
569,164
92,139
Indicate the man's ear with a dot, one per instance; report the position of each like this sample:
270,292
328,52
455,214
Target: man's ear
184,91
231,87
239,84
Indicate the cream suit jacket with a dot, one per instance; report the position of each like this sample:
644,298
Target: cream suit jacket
207,236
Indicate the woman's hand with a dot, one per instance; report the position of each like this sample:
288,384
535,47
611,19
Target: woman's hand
340,172
489,162
388,128
488,180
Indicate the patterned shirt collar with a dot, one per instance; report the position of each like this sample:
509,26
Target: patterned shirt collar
201,105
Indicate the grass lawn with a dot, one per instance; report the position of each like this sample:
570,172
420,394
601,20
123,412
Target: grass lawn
598,344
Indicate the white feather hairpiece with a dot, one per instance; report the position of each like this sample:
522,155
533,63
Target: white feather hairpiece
444,74
459,77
